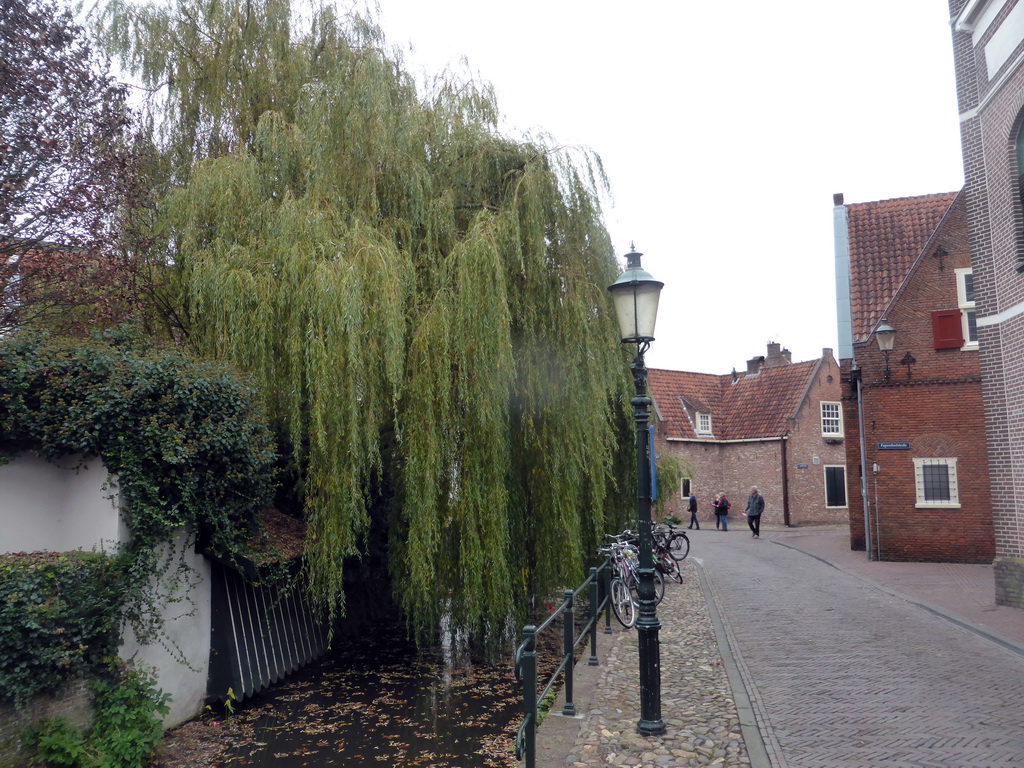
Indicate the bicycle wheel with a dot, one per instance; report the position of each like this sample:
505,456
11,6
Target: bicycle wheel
659,587
679,546
671,568
622,603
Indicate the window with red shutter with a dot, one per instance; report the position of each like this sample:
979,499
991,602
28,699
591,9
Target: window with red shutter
946,329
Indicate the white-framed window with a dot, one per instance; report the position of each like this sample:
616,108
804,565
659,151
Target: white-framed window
965,301
703,423
935,480
835,486
831,419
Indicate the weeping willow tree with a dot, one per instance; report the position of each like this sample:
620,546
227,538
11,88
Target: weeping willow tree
385,261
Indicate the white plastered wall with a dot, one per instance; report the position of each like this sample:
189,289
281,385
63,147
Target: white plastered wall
185,606
58,507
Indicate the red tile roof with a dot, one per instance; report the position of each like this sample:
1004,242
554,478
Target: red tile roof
886,238
755,406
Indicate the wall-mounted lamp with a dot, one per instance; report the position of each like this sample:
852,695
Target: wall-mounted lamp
885,335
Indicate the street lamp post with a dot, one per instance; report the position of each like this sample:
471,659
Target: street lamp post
635,295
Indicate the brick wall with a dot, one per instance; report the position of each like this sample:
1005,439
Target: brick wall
808,453
733,467
935,405
991,106
75,703
905,412
730,468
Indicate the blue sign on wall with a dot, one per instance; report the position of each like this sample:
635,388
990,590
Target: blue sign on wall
894,446
802,466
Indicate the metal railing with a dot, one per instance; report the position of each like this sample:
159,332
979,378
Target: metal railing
526,655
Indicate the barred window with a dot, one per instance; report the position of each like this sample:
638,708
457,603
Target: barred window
831,419
936,483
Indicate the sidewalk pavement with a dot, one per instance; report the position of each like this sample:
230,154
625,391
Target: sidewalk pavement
962,593
721,730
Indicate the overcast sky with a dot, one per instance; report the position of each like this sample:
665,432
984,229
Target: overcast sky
725,128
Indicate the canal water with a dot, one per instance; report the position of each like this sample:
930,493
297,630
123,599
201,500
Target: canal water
376,701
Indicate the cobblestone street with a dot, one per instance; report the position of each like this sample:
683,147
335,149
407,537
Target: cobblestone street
771,656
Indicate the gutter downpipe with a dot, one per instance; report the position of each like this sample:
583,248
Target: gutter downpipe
855,370
785,486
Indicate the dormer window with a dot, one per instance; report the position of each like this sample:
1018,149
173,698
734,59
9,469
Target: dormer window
703,423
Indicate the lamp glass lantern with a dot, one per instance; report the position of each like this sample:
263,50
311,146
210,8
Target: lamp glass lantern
635,295
885,335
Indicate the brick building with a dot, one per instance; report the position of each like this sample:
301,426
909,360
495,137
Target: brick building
913,416
988,53
777,426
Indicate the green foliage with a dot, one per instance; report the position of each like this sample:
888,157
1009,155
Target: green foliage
544,707
386,263
58,743
184,438
58,619
187,446
125,732
670,471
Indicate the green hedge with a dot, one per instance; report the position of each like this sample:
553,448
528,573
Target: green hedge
58,620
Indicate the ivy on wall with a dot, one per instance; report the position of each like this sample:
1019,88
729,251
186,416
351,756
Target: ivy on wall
190,449
58,620
186,439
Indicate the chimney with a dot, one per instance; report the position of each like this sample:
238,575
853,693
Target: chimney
837,198
777,356
754,365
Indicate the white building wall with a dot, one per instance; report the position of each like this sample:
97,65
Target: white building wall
58,507
185,607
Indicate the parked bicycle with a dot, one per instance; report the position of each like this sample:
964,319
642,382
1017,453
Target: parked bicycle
625,583
675,542
665,563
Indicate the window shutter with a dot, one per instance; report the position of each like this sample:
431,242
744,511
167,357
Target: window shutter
946,329
835,486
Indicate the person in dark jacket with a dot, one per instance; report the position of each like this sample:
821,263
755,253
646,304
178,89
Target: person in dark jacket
693,512
721,506
755,506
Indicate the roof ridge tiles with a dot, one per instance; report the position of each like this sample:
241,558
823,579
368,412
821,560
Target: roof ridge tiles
756,407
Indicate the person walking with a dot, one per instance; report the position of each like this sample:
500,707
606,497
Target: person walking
693,511
755,506
721,506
